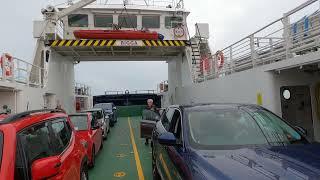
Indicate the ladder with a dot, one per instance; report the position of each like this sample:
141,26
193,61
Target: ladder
196,60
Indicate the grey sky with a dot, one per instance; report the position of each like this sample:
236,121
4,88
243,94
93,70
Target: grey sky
230,20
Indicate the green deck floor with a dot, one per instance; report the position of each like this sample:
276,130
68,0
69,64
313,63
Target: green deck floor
118,154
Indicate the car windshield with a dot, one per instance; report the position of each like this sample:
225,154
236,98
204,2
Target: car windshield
96,114
235,127
104,106
80,122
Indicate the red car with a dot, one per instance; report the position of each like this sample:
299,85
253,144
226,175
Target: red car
2,116
90,131
41,144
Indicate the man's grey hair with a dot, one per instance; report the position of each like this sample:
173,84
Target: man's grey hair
150,100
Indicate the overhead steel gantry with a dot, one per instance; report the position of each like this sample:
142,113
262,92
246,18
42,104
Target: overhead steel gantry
119,48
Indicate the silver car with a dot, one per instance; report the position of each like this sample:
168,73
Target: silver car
103,118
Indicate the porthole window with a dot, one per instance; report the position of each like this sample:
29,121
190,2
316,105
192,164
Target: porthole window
286,94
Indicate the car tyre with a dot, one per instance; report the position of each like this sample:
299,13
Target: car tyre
93,157
155,173
101,146
104,135
84,175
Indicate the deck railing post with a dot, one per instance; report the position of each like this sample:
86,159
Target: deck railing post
39,77
286,35
252,50
13,77
231,60
3,73
28,75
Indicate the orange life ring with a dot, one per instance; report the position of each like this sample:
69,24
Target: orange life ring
220,59
6,62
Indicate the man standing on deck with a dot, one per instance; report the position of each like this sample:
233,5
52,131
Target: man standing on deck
151,107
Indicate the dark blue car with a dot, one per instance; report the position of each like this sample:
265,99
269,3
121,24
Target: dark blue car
231,141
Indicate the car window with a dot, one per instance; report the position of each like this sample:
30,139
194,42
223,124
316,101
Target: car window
166,118
97,114
37,142
236,127
62,133
21,168
80,122
175,125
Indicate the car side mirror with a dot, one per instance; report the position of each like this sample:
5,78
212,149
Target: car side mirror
161,111
168,139
157,118
301,130
45,168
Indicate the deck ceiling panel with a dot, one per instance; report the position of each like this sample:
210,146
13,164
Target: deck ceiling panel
118,48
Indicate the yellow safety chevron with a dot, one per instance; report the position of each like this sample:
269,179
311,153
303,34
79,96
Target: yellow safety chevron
100,43
79,43
164,43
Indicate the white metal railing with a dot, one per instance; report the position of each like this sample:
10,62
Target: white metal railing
156,3
82,89
297,33
177,4
130,92
25,73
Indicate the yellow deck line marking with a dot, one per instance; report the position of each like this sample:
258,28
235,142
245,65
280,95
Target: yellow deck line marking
136,153
165,167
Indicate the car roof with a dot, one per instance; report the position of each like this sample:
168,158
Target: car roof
94,109
218,105
80,114
25,119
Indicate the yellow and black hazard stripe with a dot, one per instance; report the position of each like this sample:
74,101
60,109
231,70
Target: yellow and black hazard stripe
101,43
79,43
164,43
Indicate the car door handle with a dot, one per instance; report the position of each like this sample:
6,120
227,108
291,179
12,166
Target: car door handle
58,165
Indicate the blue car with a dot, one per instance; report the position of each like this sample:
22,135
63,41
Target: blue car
230,141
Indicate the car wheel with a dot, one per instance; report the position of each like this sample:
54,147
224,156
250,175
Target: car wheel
101,146
93,156
84,175
104,135
155,173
